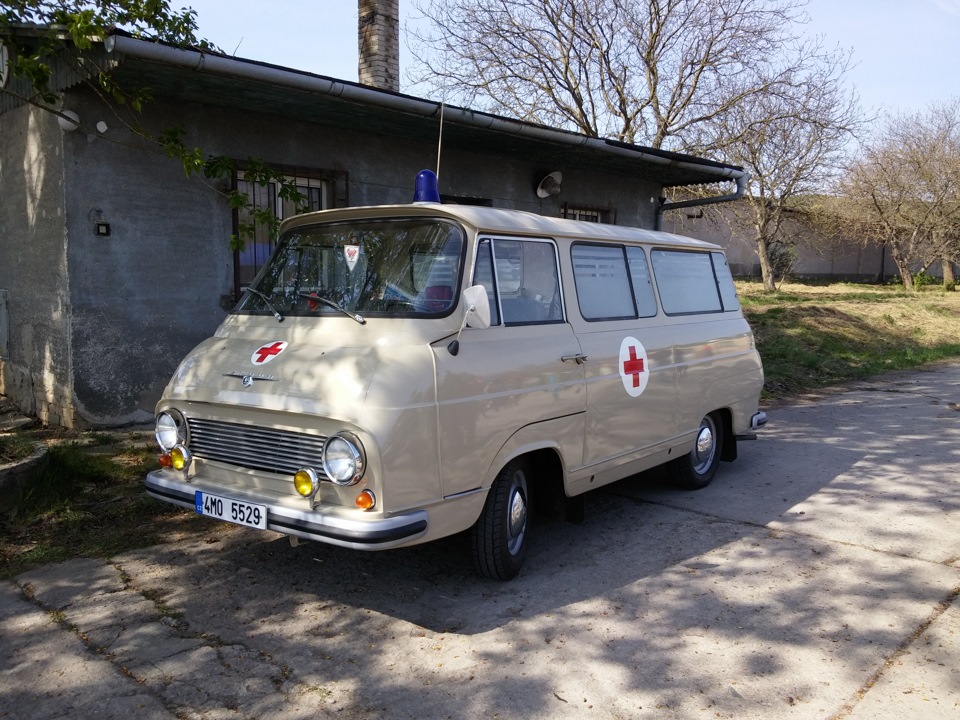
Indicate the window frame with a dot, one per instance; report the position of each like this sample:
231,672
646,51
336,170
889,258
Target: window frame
492,239
335,192
623,247
685,251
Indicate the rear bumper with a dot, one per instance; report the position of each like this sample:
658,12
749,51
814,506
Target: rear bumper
320,525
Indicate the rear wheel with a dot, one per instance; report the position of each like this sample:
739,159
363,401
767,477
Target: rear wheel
499,537
696,469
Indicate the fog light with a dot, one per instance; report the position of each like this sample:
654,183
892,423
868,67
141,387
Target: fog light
180,458
306,482
366,500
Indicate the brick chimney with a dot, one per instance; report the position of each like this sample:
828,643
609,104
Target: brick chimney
379,36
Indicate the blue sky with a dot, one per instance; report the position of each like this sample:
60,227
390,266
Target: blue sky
907,51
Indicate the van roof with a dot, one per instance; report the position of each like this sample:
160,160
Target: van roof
502,222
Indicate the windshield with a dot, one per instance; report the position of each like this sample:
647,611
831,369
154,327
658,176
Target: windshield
378,268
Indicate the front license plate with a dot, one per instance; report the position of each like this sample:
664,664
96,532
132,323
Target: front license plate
235,511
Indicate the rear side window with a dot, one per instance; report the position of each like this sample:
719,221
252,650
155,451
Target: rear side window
642,286
603,283
613,282
686,282
728,293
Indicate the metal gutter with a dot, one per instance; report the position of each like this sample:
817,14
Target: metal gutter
298,80
742,179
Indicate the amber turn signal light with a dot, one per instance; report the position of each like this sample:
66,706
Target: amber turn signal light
366,500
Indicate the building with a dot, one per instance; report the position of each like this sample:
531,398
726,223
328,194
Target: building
113,263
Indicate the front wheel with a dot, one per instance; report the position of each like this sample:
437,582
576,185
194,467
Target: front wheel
696,469
499,537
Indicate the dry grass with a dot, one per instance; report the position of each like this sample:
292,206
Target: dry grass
810,335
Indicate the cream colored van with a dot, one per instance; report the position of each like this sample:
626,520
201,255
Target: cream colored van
398,374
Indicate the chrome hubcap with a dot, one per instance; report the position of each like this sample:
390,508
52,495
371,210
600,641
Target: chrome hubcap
517,521
705,447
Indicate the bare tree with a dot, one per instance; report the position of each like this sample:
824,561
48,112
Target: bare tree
793,143
653,71
906,185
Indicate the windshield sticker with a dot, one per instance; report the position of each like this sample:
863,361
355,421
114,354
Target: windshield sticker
351,254
634,369
265,353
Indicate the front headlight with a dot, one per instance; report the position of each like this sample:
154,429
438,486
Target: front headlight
171,430
343,459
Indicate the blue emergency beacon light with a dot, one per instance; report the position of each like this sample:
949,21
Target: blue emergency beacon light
425,190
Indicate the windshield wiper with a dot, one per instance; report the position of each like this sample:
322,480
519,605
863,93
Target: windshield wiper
266,300
330,303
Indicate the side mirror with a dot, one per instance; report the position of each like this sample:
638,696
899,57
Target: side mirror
477,307
476,313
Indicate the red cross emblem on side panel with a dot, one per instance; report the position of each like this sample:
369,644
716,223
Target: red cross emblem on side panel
634,368
265,353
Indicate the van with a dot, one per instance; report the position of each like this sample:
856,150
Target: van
398,374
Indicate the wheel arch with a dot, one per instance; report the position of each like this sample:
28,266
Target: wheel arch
729,449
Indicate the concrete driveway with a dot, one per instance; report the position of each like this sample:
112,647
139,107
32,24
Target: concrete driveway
817,577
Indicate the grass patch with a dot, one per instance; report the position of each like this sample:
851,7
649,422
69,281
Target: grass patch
87,500
810,336
14,448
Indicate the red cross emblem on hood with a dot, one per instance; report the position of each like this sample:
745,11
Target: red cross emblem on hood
265,353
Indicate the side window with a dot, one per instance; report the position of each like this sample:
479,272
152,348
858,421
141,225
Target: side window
603,286
686,282
642,285
483,275
525,277
728,293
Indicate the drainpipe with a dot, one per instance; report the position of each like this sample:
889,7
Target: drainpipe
741,177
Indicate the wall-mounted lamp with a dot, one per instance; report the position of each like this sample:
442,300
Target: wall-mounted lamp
102,127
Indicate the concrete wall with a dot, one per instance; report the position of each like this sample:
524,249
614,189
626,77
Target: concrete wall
35,371
143,296
146,293
816,258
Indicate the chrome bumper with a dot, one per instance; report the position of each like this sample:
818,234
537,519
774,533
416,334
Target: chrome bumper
319,525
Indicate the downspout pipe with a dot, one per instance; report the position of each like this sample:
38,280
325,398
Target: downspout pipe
308,82
741,177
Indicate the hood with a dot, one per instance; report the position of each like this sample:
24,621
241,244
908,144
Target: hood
277,373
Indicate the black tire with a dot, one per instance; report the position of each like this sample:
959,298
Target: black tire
499,537
696,469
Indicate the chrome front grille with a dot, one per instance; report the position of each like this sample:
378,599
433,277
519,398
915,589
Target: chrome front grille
257,448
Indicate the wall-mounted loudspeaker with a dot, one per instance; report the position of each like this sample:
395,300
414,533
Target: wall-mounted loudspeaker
550,185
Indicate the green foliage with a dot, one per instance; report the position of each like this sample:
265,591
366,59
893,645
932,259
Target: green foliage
66,26
922,279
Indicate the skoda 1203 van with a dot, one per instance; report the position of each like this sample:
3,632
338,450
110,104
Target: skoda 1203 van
398,374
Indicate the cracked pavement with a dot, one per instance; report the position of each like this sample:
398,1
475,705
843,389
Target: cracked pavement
817,577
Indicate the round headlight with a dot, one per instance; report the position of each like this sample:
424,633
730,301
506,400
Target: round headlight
170,430
343,460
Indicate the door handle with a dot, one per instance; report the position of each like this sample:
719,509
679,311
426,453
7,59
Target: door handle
578,358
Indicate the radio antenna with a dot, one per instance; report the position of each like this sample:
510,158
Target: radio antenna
440,140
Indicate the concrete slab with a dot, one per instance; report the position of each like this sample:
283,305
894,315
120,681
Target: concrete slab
48,672
816,578
921,682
